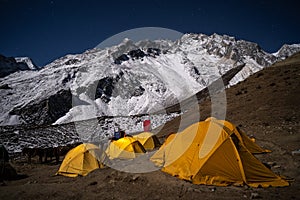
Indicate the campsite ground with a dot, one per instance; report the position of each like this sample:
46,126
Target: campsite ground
265,106
111,184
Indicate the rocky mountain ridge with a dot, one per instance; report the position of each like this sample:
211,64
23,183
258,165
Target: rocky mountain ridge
129,78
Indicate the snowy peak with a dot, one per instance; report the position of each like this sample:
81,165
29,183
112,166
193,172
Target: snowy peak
228,47
287,50
28,61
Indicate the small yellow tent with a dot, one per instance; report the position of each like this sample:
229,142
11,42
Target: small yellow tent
206,153
81,160
148,140
124,148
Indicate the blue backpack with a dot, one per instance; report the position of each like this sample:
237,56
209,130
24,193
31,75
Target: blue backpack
117,135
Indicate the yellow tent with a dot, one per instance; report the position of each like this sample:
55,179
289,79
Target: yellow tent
206,153
148,140
124,148
230,128
81,160
169,138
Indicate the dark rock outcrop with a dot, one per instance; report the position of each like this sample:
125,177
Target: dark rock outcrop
5,87
136,54
105,89
153,52
120,59
9,65
72,61
47,111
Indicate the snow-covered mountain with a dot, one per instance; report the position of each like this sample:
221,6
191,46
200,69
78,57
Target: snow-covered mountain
287,50
126,79
28,61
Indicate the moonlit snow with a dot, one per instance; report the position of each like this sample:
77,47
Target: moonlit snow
137,85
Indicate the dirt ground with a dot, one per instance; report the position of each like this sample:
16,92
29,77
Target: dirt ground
265,106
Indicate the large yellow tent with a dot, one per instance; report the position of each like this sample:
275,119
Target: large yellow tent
81,160
124,148
242,137
208,153
231,129
148,140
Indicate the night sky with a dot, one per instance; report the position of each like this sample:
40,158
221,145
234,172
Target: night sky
45,30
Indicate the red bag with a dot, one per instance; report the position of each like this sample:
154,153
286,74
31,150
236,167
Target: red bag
147,125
